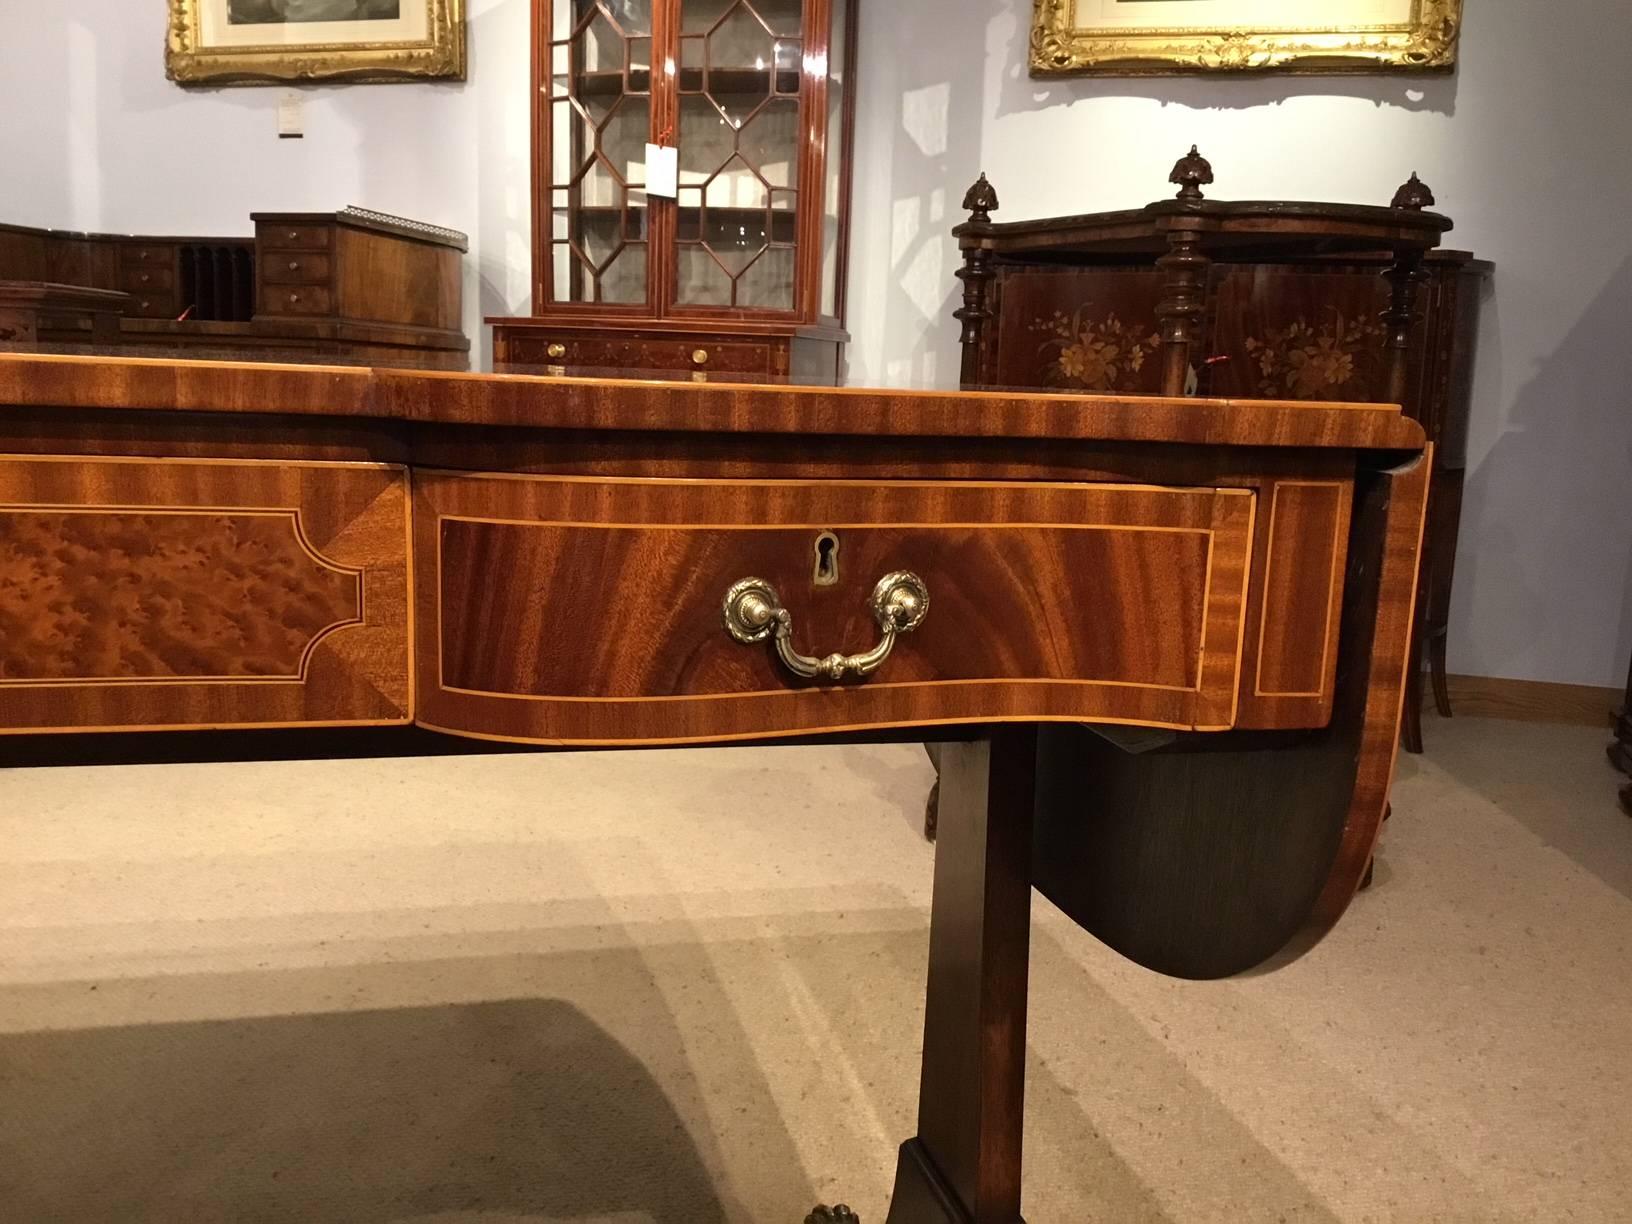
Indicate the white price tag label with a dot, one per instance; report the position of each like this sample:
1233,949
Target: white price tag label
662,171
291,115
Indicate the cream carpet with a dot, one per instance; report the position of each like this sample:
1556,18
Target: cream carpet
686,987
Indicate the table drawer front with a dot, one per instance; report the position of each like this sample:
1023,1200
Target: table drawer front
173,593
1120,603
295,268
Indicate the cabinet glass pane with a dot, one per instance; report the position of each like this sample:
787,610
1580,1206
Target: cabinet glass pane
838,156
600,118
739,152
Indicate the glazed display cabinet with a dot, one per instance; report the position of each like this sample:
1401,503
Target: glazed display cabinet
742,270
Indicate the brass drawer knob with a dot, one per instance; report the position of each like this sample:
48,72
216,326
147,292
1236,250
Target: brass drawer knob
754,612
699,356
146,276
294,299
556,351
294,265
294,235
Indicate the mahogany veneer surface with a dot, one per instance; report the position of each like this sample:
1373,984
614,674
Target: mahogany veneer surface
590,610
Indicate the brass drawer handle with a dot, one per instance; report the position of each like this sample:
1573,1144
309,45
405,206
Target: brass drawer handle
754,612
556,351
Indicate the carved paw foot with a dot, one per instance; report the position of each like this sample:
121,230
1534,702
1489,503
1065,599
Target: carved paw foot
837,1214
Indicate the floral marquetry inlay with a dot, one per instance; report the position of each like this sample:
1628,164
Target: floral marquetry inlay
132,595
1302,361
1095,354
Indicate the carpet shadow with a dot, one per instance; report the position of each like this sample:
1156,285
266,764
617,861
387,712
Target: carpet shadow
514,1109
1554,780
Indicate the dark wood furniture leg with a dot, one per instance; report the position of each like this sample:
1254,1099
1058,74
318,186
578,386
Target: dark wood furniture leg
932,803
1411,714
1439,568
963,1166
1620,748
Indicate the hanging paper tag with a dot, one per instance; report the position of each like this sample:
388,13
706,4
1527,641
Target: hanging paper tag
662,171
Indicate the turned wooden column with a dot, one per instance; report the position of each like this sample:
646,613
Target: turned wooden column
1184,268
1404,277
976,275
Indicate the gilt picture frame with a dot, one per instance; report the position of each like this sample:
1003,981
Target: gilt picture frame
246,42
1166,37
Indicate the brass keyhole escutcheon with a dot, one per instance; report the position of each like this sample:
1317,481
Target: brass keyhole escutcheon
827,559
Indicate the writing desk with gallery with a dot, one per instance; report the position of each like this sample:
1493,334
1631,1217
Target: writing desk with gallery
1161,643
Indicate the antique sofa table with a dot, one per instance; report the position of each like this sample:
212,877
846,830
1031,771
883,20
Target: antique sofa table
1164,641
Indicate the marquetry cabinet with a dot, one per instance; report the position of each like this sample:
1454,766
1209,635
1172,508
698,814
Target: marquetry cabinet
742,271
1257,299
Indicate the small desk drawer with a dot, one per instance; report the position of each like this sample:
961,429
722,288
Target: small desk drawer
1096,602
294,300
159,305
170,593
142,255
295,268
141,279
293,237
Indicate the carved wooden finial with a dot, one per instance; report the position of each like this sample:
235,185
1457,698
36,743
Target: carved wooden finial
1191,173
981,200
839,1214
1413,194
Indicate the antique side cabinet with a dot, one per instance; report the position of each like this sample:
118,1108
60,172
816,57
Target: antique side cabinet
742,270
1244,300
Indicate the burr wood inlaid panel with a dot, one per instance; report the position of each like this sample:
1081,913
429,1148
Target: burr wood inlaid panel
591,610
110,595
167,593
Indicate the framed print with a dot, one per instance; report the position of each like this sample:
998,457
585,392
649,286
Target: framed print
1139,37
224,42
